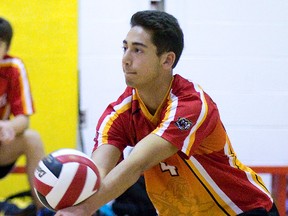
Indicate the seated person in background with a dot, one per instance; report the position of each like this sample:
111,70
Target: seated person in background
16,106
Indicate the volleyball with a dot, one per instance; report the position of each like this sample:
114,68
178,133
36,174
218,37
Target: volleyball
65,178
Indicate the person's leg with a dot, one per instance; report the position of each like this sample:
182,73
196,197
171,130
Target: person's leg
30,145
34,152
9,153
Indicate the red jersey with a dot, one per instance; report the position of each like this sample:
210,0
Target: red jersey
15,94
205,177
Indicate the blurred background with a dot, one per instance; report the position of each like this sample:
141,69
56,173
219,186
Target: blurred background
46,39
236,50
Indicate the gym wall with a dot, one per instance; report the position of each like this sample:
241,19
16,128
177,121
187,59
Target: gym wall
46,38
236,50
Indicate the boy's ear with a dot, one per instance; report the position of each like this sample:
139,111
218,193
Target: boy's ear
168,59
4,43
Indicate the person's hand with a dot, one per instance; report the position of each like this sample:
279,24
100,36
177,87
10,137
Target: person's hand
7,133
73,211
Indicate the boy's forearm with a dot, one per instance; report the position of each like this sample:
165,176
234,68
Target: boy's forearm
112,186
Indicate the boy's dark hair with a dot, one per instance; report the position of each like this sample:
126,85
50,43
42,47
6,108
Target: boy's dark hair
166,32
6,31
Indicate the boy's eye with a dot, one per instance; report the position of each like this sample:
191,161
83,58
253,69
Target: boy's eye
124,48
137,50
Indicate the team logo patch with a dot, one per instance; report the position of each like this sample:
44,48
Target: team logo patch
183,123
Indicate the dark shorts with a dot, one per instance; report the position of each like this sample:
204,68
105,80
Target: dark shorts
262,212
4,170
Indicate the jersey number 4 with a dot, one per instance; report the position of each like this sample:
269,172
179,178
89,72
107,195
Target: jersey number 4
171,169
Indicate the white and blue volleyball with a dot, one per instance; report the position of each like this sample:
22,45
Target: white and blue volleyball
65,178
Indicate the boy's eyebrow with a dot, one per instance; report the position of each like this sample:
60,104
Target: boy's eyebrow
135,43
